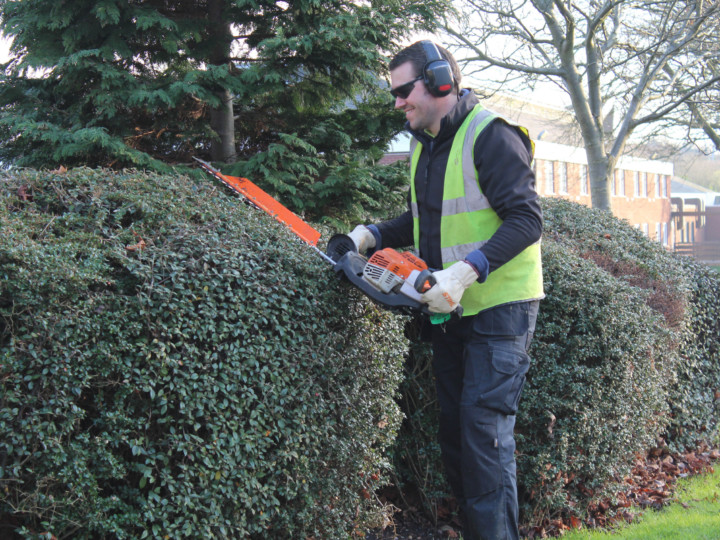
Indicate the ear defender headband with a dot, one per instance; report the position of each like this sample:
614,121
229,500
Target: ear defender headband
437,73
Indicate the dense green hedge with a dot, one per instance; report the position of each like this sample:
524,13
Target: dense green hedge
625,358
695,399
176,364
597,391
687,295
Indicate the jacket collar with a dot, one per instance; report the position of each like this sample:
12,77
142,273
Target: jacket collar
451,122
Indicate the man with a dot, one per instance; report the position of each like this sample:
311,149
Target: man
474,212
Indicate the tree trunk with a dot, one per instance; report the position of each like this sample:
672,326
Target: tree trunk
222,121
600,164
600,172
222,118
587,108
601,176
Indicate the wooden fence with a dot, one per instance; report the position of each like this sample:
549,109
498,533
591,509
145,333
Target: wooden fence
702,251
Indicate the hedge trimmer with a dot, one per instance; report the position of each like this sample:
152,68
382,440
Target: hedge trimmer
390,278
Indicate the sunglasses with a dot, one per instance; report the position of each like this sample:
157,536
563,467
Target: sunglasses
404,90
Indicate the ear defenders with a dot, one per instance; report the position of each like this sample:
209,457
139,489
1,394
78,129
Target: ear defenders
437,73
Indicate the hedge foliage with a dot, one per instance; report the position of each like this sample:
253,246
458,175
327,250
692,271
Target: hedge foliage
684,292
597,393
695,400
625,358
176,364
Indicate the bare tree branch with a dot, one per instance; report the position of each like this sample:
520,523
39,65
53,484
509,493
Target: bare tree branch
644,60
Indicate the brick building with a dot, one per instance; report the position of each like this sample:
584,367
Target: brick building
640,191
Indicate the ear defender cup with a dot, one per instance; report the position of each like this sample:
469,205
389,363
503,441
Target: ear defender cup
437,73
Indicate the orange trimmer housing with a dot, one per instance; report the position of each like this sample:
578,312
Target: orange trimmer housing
388,269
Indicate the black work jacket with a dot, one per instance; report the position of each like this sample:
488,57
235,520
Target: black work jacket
502,158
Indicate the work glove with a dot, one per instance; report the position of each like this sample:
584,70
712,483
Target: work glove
363,238
445,295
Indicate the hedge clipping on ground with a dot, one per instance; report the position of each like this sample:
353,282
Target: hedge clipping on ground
176,364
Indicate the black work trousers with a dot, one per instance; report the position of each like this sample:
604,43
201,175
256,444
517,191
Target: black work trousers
480,364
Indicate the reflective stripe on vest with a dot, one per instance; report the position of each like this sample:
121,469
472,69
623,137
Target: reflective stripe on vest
468,222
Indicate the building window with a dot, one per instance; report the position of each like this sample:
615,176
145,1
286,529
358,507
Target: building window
636,184
658,231
584,187
657,185
549,177
621,183
663,187
563,180
643,185
665,234
614,185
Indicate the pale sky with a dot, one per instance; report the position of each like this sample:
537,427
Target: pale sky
4,49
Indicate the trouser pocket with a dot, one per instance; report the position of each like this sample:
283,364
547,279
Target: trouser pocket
495,375
481,467
511,367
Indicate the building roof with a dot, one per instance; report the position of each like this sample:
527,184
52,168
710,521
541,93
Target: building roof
680,185
393,157
543,122
683,189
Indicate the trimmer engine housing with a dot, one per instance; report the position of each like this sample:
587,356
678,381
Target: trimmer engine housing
388,269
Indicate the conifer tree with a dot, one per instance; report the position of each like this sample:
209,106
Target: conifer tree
287,90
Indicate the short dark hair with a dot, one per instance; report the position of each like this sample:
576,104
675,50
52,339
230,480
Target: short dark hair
415,54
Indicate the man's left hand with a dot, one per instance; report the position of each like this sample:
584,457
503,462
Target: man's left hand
445,295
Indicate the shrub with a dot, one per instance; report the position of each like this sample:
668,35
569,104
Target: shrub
695,400
176,364
597,392
684,291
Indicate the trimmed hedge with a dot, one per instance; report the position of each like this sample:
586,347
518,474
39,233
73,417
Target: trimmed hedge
625,358
695,399
597,392
687,295
176,364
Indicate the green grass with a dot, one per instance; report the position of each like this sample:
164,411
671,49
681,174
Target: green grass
716,268
695,515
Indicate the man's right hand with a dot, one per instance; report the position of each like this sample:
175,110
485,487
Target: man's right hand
363,238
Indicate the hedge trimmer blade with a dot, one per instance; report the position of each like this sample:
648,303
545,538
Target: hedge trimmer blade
265,202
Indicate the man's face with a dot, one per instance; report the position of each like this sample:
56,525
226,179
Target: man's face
420,107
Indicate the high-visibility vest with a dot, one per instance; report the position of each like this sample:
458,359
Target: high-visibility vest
468,222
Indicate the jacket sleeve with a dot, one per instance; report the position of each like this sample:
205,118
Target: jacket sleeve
397,232
503,161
